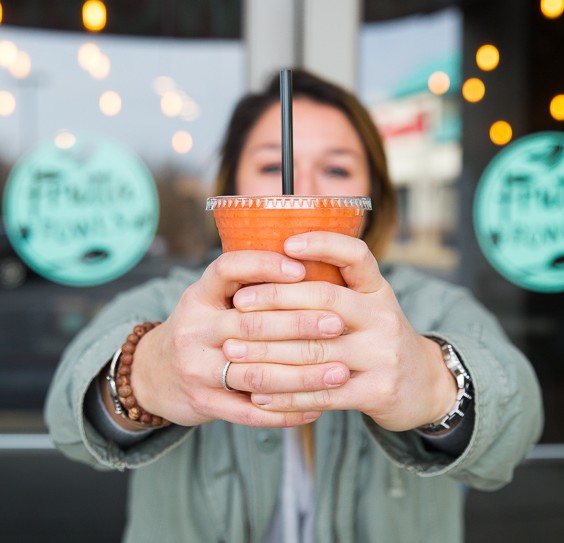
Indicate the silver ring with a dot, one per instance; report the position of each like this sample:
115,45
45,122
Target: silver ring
224,376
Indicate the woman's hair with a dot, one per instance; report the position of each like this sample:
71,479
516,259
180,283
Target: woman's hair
381,222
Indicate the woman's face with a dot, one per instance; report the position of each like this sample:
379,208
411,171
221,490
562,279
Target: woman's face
329,157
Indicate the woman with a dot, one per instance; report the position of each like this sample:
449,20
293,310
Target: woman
419,388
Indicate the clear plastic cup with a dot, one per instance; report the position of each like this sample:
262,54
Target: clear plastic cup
265,222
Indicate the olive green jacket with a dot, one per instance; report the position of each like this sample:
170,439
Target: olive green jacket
219,482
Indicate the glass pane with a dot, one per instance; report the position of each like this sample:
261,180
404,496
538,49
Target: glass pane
410,79
171,102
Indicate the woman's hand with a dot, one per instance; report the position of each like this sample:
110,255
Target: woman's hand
178,365
397,376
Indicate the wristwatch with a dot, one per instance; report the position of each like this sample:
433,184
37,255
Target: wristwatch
463,396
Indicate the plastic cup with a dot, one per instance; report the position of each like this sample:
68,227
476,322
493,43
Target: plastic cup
265,222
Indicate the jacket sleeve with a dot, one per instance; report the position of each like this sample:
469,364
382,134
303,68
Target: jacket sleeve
83,360
508,404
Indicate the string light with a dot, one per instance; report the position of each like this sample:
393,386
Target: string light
473,89
557,107
8,53
110,103
438,82
22,67
1,13
190,110
88,54
487,57
163,84
65,139
100,68
94,15
171,103
501,132
552,9
182,142
7,103
91,59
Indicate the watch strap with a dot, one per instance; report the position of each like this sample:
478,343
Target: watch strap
464,393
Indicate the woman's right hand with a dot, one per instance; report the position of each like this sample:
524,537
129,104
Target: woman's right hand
178,365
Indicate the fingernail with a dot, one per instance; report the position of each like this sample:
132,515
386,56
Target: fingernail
295,245
235,349
335,377
330,324
262,399
311,416
245,298
290,267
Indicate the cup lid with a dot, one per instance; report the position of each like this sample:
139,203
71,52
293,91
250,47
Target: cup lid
289,202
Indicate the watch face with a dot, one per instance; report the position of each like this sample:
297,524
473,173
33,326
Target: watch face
82,214
519,212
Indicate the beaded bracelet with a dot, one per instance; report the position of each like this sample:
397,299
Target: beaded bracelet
119,379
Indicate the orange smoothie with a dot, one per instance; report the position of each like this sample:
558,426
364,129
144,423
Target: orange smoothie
264,223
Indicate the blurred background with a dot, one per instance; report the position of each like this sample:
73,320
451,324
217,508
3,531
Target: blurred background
450,84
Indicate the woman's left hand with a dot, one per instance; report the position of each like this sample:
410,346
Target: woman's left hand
398,377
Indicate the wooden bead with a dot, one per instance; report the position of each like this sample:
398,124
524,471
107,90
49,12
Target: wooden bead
133,338
128,348
145,418
124,369
121,380
126,358
124,391
129,402
139,330
134,413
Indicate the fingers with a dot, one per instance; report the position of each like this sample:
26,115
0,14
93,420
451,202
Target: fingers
280,378
225,275
305,352
279,325
303,295
310,352
359,394
324,399
236,408
358,266
316,297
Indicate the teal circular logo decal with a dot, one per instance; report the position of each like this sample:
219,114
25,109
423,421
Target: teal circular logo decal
81,214
519,212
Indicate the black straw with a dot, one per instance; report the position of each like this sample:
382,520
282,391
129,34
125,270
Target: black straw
287,142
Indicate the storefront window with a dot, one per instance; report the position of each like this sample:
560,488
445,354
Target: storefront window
166,101
436,103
